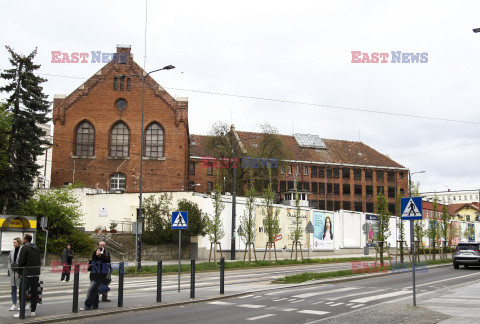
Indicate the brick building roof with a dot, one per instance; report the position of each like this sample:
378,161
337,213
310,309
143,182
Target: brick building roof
454,208
336,152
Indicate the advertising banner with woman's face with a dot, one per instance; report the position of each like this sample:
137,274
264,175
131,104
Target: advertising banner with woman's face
371,229
323,231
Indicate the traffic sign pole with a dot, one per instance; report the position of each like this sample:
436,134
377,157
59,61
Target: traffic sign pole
412,240
179,259
411,205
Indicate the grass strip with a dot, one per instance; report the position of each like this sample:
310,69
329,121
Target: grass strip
306,276
211,266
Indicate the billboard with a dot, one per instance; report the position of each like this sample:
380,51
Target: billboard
371,229
323,233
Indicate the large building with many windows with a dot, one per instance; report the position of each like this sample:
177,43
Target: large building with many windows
97,132
332,174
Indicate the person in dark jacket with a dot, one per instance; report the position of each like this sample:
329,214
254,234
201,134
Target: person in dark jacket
105,294
67,258
99,269
29,256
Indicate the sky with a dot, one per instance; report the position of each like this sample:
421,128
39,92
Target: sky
289,64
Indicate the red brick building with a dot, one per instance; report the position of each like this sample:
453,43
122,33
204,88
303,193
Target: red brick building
336,174
97,132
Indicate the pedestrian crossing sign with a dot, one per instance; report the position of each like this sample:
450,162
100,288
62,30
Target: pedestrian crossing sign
179,220
411,208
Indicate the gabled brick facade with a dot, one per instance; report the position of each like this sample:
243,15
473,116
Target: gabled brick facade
95,102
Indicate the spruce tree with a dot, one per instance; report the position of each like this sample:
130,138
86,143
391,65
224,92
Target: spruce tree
28,107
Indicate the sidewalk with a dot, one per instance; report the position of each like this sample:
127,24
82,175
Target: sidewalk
462,303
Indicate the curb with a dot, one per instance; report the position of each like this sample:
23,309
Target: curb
97,313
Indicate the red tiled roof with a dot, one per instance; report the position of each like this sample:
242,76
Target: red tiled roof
337,152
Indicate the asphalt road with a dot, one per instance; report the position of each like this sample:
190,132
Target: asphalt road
302,304
141,291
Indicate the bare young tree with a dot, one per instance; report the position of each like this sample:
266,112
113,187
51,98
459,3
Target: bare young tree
214,226
271,223
383,225
298,231
247,221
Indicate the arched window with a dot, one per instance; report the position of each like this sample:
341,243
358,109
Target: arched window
154,141
119,140
84,139
118,182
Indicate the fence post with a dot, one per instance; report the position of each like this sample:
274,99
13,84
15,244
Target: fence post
159,282
192,278
23,292
222,276
76,281
121,271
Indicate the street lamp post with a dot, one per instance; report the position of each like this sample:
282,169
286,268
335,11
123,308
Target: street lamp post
234,195
138,237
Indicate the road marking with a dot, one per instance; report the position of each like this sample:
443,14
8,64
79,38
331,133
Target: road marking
371,298
287,309
328,303
320,302
250,306
313,312
307,295
291,300
256,297
356,306
336,304
350,304
220,303
280,299
355,294
298,301
245,296
260,317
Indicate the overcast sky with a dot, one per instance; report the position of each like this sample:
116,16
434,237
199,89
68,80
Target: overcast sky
289,51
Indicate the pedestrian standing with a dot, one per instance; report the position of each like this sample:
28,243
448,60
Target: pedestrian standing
103,246
67,258
14,279
29,256
98,275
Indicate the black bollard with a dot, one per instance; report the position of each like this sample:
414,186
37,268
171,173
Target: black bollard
23,293
159,282
121,270
192,279
76,284
222,276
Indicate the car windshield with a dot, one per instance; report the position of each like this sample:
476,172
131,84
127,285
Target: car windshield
467,247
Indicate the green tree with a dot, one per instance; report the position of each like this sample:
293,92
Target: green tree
196,218
63,210
433,228
5,132
400,225
383,225
271,223
445,227
298,231
221,142
214,227
247,221
157,215
29,107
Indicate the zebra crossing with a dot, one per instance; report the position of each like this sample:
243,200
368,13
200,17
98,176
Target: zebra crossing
321,303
